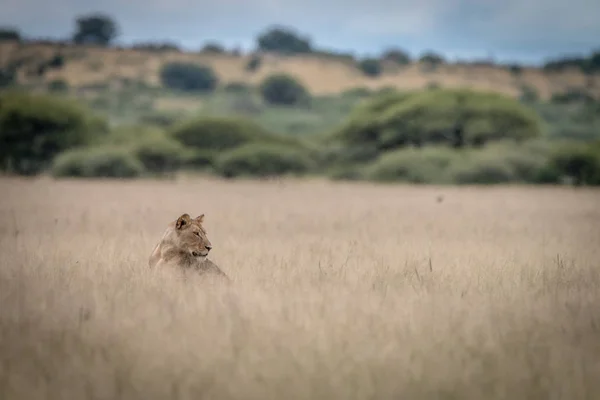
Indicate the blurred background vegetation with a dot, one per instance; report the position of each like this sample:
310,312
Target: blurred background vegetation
86,108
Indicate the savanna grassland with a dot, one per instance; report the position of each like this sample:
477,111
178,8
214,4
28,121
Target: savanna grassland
340,290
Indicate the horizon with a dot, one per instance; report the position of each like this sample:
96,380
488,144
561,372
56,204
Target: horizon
461,31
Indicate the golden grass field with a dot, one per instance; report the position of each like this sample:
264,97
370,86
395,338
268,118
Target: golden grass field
340,291
321,75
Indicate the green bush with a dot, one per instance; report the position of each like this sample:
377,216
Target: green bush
197,159
479,169
97,162
529,94
283,89
159,156
332,155
579,163
500,162
8,76
427,165
524,162
370,67
35,128
222,133
237,87
188,77
453,116
161,119
359,92
127,135
345,173
263,159
58,86
253,63
57,61
515,69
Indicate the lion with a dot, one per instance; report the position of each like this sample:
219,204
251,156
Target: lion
184,244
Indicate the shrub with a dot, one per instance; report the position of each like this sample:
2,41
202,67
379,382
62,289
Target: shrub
160,119
515,69
370,67
529,94
34,128
237,87
357,92
156,46
193,158
345,173
57,61
159,156
158,152
253,63
412,165
97,162
577,162
58,86
127,135
573,95
482,170
345,156
503,162
282,89
219,133
188,77
262,159
8,77
454,116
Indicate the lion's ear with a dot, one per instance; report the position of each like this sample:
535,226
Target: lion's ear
182,221
200,218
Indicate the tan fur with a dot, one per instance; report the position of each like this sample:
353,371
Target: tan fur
185,245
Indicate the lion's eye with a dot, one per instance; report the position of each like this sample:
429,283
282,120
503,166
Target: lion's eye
197,234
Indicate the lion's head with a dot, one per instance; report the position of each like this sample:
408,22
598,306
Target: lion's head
190,236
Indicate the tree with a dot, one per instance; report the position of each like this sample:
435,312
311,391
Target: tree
370,67
283,89
8,76
188,77
283,40
398,56
9,34
456,117
95,28
35,128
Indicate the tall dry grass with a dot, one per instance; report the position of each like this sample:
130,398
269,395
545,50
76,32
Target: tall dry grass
345,291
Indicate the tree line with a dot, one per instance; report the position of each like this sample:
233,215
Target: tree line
102,30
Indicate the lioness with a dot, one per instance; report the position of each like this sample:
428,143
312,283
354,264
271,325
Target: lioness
185,245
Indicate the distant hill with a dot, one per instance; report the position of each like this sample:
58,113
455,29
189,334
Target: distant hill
86,66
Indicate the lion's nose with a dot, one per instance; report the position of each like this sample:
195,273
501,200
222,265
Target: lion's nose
208,246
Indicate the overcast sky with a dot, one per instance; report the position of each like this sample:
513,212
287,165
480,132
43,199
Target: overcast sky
523,30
